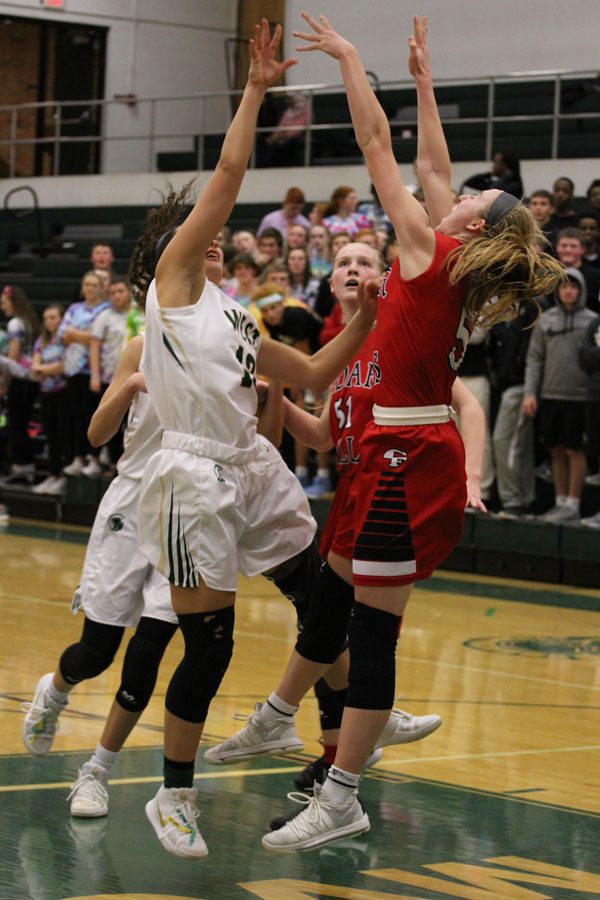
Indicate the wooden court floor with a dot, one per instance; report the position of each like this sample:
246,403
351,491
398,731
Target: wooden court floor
502,801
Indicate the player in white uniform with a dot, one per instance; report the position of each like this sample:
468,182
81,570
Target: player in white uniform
211,500
119,588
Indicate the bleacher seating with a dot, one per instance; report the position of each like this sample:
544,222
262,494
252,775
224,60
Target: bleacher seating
528,139
68,236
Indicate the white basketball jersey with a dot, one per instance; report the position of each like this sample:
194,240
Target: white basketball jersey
200,367
142,437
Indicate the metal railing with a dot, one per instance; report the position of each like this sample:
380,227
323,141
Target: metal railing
59,114
19,212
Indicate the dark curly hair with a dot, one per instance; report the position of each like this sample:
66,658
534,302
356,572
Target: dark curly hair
22,308
161,222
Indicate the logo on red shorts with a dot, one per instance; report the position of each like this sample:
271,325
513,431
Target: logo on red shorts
396,458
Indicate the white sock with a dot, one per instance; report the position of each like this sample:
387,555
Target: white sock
323,473
57,696
561,500
103,758
339,786
572,503
301,471
275,706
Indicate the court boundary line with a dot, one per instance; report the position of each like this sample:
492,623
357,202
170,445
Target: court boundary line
376,775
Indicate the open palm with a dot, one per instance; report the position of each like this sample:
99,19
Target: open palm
265,69
323,37
418,52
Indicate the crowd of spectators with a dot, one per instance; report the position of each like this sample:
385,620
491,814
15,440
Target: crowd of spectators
537,377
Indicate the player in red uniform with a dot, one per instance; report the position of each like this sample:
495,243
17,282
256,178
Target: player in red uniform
410,490
341,424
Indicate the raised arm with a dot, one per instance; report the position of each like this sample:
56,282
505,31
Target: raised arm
372,130
115,402
278,360
180,271
433,160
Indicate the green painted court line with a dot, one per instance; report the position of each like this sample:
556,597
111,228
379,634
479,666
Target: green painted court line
51,533
524,791
506,591
437,583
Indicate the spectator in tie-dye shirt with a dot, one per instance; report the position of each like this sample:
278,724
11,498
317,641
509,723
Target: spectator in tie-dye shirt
74,332
47,368
108,337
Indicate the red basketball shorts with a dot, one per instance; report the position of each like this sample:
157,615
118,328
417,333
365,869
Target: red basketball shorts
410,496
338,532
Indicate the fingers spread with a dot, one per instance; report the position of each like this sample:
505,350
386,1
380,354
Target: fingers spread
275,40
305,36
312,22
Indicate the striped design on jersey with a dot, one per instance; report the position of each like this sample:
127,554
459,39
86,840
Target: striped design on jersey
384,546
181,569
172,342
171,351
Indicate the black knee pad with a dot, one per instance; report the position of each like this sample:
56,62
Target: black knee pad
208,647
93,653
325,626
295,578
331,705
373,635
142,659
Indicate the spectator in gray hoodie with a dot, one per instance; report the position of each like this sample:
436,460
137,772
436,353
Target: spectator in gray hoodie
552,371
589,360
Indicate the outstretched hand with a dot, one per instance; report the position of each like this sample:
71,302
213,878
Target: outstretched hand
265,69
418,52
323,37
368,292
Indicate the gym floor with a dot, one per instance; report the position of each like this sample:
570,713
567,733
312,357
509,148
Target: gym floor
502,801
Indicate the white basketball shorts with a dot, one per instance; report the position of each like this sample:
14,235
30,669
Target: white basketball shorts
210,510
118,584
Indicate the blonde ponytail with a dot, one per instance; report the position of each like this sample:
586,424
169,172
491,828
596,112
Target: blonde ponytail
502,266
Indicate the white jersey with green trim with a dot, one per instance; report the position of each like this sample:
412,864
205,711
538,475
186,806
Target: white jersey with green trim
142,438
199,362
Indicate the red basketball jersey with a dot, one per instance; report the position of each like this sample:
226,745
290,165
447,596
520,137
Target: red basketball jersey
421,334
350,411
351,404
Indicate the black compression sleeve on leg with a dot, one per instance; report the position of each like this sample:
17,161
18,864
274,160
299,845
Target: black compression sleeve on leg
295,578
373,635
93,653
331,705
142,659
323,602
325,626
208,638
